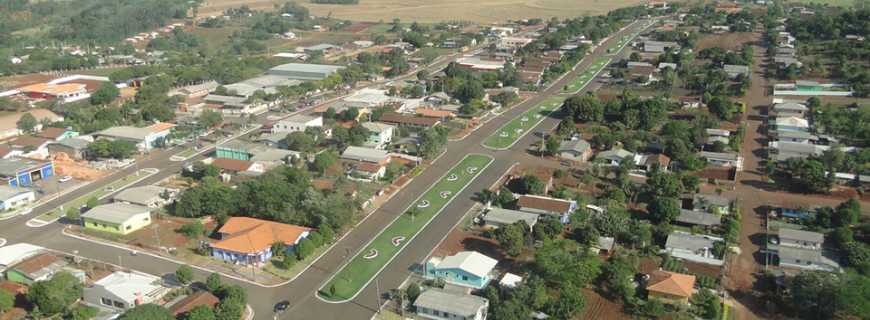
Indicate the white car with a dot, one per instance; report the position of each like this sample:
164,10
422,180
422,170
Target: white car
64,179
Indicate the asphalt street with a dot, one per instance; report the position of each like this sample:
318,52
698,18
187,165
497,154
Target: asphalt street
301,291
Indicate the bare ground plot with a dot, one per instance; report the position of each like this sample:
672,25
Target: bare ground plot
727,41
435,11
600,308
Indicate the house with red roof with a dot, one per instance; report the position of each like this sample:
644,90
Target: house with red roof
248,241
670,287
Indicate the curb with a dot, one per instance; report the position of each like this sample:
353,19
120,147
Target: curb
384,266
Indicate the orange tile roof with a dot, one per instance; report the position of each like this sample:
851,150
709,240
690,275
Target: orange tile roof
161,126
51,133
671,283
200,298
432,113
54,89
232,164
544,203
250,235
27,141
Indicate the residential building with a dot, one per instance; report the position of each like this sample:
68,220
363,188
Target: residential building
670,287
708,203
438,304
249,241
41,267
498,217
297,123
792,123
467,268
29,146
546,205
75,148
304,71
145,138
12,254
714,135
649,162
402,120
698,218
800,239
12,198
575,150
784,150
235,166
659,46
147,196
56,134
800,137
614,157
122,290
362,154
120,218
381,134
802,258
196,299
723,159
735,71
604,245
18,172
9,123
692,247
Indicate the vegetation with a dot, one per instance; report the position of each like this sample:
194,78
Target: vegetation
116,149
55,295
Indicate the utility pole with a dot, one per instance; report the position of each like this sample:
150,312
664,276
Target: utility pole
378,296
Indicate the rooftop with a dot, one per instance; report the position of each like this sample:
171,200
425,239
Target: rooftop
364,154
116,213
7,191
544,203
578,145
140,195
464,305
507,216
250,235
689,242
472,262
130,285
392,117
698,218
671,283
199,298
234,165
793,234
12,166
13,253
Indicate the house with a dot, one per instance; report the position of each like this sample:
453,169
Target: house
708,203
659,46
17,172
75,148
122,290
403,120
362,154
120,218
800,239
735,71
272,157
800,137
498,217
575,150
9,123
546,205
649,162
467,269
380,134
692,247
297,123
439,304
720,135
29,146
792,123
643,74
698,218
56,134
145,138
235,166
148,196
41,267
199,298
786,61
784,150
723,159
670,287
439,114
323,48
14,253
802,258
248,241
604,245
614,157
12,198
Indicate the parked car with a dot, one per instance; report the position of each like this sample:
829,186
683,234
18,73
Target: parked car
282,306
64,179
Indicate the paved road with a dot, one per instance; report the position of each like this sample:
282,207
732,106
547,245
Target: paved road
304,305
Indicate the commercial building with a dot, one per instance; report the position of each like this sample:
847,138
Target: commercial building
17,172
145,138
120,218
304,71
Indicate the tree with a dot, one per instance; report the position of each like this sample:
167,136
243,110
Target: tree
201,312
512,238
92,202
663,209
617,276
55,295
299,141
117,149
808,175
412,292
324,160
148,311
73,214
184,274
82,312
229,310
193,229
813,294
7,301
433,141
723,107
531,184
27,123
585,108
213,282
210,119
847,213
552,146
105,94
304,249
706,304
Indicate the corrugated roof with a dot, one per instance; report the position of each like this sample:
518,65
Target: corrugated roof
464,305
115,213
801,235
699,218
507,216
143,195
472,262
364,154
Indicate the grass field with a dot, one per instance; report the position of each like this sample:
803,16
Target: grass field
484,11
354,276
512,131
582,79
100,193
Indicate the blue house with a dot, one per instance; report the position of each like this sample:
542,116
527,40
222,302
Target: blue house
24,172
468,269
248,241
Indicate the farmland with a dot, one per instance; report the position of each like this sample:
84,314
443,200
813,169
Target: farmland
484,11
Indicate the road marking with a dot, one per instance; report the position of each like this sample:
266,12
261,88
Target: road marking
2,242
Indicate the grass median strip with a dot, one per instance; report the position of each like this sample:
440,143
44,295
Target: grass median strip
583,78
363,267
508,134
80,201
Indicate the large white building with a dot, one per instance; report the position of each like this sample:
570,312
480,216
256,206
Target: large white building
297,123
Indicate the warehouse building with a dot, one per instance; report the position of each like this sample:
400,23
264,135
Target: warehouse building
304,71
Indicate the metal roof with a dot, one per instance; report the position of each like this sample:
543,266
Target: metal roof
698,218
801,235
7,192
12,166
364,154
465,305
688,241
306,67
472,262
126,132
143,195
507,216
116,213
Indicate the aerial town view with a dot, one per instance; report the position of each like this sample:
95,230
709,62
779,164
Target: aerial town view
434,160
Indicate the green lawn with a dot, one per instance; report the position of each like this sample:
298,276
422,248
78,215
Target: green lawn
80,201
511,132
354,276
582,79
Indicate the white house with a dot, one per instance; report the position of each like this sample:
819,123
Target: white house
123,290
12,198
381,134
438,304
297,123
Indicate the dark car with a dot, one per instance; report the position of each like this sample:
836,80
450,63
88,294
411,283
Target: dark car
282,306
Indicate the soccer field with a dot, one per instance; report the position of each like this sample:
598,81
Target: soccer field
511,132
355,275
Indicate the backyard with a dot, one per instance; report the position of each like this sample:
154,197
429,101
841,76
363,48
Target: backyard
354,276
511,132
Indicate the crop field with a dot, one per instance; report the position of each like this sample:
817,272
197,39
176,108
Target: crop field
484,11
511,132
354,276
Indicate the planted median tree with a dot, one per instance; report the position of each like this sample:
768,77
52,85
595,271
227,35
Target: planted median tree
184,274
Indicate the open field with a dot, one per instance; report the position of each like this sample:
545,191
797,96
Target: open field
354,276
512,131
485,11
